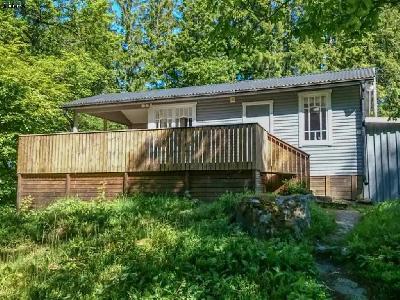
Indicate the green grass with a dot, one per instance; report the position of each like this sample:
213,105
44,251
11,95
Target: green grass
375,248
148,247
322,223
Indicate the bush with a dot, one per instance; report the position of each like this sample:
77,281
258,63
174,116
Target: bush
375,248
294,187
322,223
147,247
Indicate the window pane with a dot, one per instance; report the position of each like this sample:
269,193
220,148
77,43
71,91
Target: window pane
324,135
317,101
307,136
323,112
306,116
323,102
253,111
305,103
314,119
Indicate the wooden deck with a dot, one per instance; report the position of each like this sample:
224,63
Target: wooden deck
60,160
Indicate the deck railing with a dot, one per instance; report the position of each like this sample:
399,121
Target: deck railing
231,147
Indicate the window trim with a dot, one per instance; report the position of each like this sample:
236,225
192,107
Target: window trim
329,137
151,121
271,112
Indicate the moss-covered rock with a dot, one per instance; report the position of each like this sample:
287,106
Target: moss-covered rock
269,215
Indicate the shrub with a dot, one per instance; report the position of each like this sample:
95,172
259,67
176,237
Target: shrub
293,187
322,223
148,247
375,248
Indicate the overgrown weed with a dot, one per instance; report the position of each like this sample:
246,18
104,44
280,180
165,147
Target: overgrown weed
148,247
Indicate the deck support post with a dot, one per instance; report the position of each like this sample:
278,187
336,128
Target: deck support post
125,187
19,191
187,183
257,182
354,187
67,185
328,192
308,174
75,127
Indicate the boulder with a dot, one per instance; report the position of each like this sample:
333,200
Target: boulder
268,215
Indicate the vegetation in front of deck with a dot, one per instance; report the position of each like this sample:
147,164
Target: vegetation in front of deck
374,246
149,247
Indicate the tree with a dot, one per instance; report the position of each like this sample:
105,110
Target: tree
44,63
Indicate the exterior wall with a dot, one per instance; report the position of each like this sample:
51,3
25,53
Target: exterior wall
382,180
343,157
138,126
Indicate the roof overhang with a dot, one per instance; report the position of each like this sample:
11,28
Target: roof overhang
226,90
137,104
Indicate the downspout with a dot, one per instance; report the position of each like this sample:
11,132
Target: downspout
375,97
364,137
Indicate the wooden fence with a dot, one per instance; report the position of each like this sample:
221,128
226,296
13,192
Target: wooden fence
231,147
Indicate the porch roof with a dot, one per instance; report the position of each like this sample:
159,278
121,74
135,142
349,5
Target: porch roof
226,88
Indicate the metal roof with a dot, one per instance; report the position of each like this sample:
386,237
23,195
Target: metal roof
226,88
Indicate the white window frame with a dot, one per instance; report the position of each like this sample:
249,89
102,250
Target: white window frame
151,124
329,137
271,112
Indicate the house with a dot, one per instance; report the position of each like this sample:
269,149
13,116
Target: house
208,139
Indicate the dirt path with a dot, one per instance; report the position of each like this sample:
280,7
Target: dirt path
340,283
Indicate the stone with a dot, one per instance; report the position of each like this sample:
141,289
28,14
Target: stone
265,218
322,249
349,289
267,215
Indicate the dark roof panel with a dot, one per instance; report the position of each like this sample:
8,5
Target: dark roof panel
227,88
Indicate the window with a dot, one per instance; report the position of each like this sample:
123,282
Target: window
169,116
260,112
315,117
253,111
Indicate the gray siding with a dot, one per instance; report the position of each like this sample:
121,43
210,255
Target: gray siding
382,162
343,157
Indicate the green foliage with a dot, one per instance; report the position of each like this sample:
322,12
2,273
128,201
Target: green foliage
45,63
375,248
293,187
353,16
147,247
322,223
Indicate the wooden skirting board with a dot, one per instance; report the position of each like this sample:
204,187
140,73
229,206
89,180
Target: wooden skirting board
43,189
347,187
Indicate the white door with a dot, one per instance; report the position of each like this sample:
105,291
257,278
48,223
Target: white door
259,112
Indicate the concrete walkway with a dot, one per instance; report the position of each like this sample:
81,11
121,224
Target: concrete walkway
332,273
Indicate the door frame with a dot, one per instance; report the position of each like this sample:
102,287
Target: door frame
271,112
